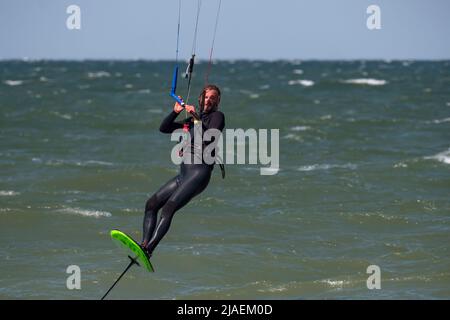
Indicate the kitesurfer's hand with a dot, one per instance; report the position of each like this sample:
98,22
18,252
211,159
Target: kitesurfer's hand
177,107
190,109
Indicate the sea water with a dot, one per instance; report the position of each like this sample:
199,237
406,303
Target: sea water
363,180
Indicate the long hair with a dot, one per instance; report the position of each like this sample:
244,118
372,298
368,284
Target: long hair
201,97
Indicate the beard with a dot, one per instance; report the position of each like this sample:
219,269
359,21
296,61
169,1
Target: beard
209,108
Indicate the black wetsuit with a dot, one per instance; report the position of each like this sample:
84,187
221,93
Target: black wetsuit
178,191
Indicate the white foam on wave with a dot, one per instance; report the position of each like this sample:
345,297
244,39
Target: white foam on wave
378,215
98,74
401,165
62,115
292,137
94,162
86,213
305,83
8,193
13,83
438,121
297,71
443,157
87,163
270,171
268,287
327,167
250,94
335,284
366,81
300,128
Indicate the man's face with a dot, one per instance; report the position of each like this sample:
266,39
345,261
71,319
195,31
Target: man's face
211,99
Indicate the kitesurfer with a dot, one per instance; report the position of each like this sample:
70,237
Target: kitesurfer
193,177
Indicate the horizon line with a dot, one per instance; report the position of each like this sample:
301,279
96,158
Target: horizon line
201,61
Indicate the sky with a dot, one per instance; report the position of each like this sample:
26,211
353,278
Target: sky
247,29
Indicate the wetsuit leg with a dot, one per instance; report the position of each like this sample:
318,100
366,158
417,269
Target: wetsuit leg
154,203
194,180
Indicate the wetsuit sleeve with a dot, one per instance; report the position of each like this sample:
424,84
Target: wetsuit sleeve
217,121
169,125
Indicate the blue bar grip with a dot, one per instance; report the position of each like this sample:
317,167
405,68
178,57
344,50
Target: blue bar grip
174,89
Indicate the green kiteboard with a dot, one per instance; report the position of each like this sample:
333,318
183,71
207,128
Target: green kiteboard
125,241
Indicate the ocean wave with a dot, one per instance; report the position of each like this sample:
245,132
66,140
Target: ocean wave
328,167
293,137
443,157
13,83
63,116
438,121
270,287
401,165
300,128
407,63
131,210
98,74
8,193
59,162
270,171
335,284
305,83
326,117
297,71
86,213
83,86
93,163
69,192
366,81
251,95
369,217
